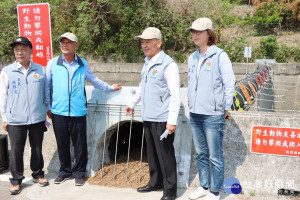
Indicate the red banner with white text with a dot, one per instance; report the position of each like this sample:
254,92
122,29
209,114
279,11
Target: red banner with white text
275,141
34,23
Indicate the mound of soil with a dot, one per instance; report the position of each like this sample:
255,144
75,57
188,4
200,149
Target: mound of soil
120,180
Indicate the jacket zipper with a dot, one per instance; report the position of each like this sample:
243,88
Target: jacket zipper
27,95
195,94
197,81
70,90
196,91
145,86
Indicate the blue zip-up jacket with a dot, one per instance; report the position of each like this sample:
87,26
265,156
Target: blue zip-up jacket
25,100
67,103
206,92
155,92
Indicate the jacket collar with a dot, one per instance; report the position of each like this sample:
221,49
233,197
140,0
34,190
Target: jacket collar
159,60
60,60
210,51
17,66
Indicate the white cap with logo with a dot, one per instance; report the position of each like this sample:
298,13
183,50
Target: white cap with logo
201,24
149,33
69,36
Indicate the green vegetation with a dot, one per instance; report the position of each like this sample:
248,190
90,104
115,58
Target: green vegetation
235,49
268,46
269,13
106,27
252,194
8,28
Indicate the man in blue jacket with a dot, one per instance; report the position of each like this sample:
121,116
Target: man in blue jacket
23,110
66,101
159,95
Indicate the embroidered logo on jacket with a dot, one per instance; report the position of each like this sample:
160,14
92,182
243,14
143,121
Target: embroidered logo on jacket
207,66
154,72
36,76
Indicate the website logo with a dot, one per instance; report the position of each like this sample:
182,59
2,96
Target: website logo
232,186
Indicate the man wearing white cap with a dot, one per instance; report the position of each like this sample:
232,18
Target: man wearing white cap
159,93
66,101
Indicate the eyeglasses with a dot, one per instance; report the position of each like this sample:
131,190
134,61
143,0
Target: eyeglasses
194,32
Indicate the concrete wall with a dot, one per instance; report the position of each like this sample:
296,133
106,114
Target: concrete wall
96,128
257,172
128,74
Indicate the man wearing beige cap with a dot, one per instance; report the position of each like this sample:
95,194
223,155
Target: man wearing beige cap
159,93
66,101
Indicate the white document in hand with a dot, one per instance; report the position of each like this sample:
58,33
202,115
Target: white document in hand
164,135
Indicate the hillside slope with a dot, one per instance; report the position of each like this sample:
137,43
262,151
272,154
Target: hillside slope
288,37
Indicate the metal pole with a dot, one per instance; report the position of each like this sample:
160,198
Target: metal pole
94,128
247,67
141,156
107,118
129,146
116,152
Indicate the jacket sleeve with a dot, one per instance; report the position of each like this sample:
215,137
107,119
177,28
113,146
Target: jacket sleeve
228,79
3,94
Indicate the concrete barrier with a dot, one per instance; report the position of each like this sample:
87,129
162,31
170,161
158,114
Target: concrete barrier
128,74
258,173
261,174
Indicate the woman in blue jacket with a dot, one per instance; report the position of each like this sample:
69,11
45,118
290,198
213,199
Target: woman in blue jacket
210,93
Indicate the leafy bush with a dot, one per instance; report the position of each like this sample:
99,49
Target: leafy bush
106,27
269,13
8,29
286,54
235,49
268,46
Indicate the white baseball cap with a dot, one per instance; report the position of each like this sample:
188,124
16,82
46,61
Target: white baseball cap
69,36
201,24
149,33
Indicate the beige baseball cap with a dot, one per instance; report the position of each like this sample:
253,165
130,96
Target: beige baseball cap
149,33
201,24
69,36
